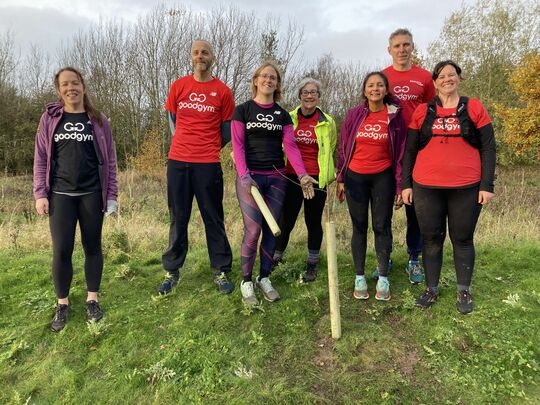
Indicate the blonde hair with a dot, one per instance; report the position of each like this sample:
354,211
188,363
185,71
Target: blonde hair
273,65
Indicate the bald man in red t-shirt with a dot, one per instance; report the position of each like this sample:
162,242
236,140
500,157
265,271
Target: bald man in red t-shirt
413,86
200,106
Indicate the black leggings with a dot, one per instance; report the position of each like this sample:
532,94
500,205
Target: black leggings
378,190
64,212
433,207
313,210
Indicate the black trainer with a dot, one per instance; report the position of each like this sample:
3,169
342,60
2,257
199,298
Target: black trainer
93,311
464,302
171,280
427,299
61,315
311,273
225,286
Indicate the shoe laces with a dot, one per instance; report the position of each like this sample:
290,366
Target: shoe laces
311,267
464,296
247,288
428,295
171,278
416,269
360,283
222,279
60,312
93,306
382,285
266,284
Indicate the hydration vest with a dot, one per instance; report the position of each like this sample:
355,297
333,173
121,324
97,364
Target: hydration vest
467,128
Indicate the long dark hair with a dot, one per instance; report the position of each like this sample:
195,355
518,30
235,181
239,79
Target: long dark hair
88,106
388,97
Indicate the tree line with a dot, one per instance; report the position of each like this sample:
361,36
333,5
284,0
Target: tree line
129,68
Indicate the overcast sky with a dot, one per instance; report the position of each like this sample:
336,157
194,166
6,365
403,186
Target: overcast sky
351,30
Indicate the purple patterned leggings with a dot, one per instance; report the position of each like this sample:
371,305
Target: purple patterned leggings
272,188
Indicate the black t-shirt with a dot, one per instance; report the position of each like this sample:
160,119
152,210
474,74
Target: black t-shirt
75,163
263,135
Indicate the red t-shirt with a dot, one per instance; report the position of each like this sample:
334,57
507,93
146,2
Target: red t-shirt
306,140
413,87
448,161
371,149
200,108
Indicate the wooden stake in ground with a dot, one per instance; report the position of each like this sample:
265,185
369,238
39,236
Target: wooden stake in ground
333,285
270,220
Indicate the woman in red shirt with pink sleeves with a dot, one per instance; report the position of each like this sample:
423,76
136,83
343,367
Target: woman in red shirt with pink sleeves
449,167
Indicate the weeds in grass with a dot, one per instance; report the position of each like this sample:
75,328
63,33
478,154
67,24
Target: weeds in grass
256,338
125,272
12,350
243,372
18,400
157,372
408,300
37,302
512,300
252,309
96,329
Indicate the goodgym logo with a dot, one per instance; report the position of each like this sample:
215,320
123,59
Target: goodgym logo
401,89
369,127
74,133
196,101
450,124
303,133
264,121
305,137
201,98
267,118
402,92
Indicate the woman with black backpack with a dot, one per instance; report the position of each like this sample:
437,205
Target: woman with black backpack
449,167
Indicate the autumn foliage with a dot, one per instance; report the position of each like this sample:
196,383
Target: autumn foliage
521,125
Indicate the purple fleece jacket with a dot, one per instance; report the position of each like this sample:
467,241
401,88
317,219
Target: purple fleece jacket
397,135
44,148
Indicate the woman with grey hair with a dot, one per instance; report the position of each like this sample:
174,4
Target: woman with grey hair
316,137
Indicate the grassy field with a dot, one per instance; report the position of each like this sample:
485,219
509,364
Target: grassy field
196,345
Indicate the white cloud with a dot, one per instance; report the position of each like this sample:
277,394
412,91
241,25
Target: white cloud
355,30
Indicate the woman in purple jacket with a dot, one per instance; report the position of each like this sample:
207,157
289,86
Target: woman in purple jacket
74,181
370,151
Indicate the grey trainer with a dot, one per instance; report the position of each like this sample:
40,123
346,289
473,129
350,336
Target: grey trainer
248,293
269,292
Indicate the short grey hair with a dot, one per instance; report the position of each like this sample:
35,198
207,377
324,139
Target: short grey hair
308,80
399,31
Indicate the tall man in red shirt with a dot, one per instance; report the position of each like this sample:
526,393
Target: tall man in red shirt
200,108
413,86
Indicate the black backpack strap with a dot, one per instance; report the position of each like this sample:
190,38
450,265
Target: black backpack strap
426,131
468,129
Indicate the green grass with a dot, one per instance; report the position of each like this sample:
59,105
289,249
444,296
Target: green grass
196,345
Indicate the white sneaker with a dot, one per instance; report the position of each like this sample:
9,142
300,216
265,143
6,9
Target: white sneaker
248,293
269,292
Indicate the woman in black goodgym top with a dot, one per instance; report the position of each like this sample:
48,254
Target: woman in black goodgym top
74,181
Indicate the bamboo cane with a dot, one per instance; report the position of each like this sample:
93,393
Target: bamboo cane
274,227
333,285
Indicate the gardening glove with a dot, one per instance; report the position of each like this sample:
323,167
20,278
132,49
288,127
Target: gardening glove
112,208
306,182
